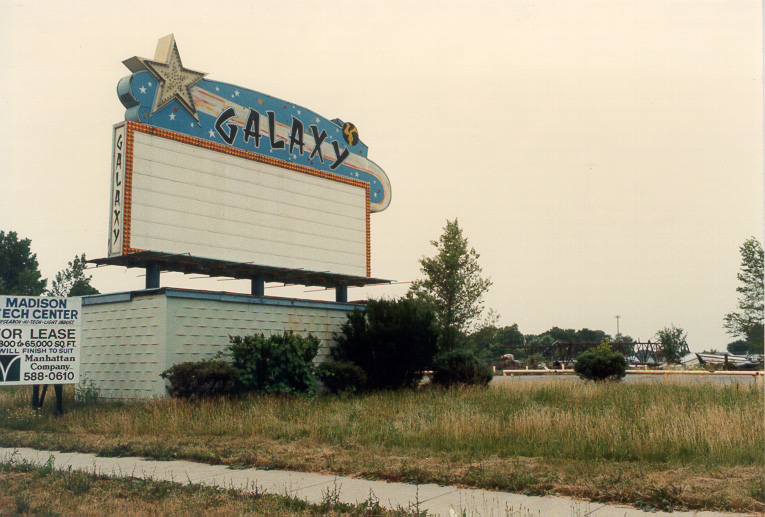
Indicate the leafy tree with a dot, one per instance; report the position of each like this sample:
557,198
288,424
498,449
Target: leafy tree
673,344
510,336
590,336
72,281
452,284
575,336
627,348
742,347
542,343
539,343
488,342
19,274
559,334
483,343
748,321
393,341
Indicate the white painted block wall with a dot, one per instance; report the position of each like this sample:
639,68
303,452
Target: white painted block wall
128,339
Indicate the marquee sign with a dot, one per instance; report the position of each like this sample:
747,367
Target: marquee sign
162,93
180,195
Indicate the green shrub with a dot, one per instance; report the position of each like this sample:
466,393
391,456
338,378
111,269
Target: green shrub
201,379
460,367
341,377
275,364
393,341
601,363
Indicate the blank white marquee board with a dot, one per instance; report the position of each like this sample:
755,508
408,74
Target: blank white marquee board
176,194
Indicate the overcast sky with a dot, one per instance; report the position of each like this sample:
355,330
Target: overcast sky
604,158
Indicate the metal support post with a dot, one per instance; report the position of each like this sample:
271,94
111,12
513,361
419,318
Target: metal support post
152,275
42,396
36,396
59,389
341,293
258,285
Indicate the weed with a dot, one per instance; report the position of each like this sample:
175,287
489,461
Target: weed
76,482
414,507
22,503
86,392
330,497
48,468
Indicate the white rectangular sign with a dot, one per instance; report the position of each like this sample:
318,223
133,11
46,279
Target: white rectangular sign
39,340
212,202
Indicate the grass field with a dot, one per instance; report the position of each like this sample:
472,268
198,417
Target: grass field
662,445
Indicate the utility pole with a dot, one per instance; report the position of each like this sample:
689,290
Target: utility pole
617,324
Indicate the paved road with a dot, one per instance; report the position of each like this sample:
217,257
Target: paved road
314,488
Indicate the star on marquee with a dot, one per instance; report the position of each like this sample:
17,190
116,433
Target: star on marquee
174,80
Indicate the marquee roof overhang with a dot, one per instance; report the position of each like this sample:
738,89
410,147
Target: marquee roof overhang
187,264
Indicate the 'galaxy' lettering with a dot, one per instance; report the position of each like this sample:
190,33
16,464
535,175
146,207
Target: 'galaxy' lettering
229,130
119,144
275,144
229,136
252,127
318,138
296,137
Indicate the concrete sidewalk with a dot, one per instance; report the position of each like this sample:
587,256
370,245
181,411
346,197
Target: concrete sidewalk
315,488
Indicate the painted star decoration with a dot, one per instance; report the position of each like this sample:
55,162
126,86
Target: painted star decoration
174,81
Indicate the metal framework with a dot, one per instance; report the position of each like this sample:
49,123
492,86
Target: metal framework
155,262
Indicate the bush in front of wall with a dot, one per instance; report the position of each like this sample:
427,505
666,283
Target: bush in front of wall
341,377
276,364
460,367
201,379
393,341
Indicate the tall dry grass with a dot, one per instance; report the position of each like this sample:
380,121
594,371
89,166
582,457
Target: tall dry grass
656,423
